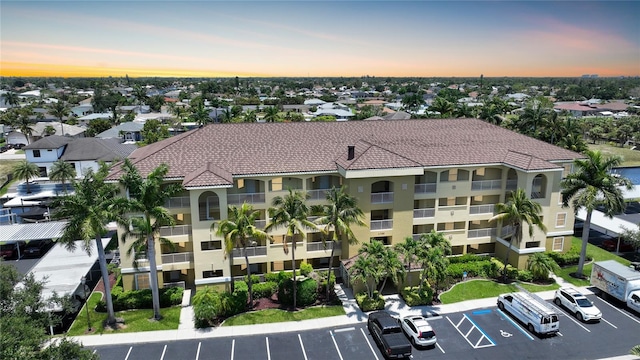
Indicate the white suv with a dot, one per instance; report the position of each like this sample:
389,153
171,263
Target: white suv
578,304
418,330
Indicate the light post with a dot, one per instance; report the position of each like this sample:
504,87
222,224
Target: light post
83,281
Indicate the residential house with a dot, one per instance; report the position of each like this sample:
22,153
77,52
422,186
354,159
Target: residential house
126,131
409,176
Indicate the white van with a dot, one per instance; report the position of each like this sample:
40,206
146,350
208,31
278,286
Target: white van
532,311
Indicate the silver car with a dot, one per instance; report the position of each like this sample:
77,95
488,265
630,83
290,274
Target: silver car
578,304
418,330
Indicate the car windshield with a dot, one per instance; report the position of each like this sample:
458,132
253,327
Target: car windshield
584,303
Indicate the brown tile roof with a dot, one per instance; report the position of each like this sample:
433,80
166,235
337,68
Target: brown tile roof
206,156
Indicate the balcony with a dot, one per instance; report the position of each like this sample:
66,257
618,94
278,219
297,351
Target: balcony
512,184
424,213
177,257
177,202
425,188
382,198
251,198
506,231
251,251
177,230
319,194
476,233
260,224
319,246
386,224
481,209
486,184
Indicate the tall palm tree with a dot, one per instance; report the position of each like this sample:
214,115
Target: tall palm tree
62,171
516,212
238,230
409,251
25,170
591,185
11,98
88,211
23,122
433,249
337,216
60,110
291,212
385,260
147,197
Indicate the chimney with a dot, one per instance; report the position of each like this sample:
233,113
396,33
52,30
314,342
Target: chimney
351,153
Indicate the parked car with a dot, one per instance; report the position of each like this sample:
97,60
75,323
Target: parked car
9,251
387,334
36,248
418,330
612,244
578,304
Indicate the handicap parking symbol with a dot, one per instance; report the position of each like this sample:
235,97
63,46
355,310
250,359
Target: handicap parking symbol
505,334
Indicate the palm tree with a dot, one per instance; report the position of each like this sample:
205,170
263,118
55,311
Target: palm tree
147,197
517,212
25,170
238,230
49,130
591,185
433,249
271,114
88,211
23,122
11,98
385,260
60,110
337,216
250,116
141,94
291,212
443,106
62,171
540,265
365,271
635,350
409,251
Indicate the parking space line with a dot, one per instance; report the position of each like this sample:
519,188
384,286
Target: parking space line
480,329
266,339
484,335
370,347
344,329
198,352
336,345
439,347
569,316
233,347
605,320
302,346
128,353
164,350
505,316
622,312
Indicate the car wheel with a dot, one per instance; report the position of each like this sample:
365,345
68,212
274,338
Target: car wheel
557,301
579,316
500,306
531,329
413,342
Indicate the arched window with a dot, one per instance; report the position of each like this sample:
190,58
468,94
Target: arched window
209,206
539,187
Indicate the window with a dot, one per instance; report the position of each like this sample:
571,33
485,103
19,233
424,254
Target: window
211,273
558,243
36,153
561,219
532,244
211,245
142,281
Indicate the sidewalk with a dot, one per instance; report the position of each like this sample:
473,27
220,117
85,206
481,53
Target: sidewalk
394,305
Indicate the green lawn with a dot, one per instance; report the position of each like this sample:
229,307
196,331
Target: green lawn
596,253
276,315
478,289
134,320
630,157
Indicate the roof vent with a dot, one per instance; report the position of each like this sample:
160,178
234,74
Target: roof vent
351,153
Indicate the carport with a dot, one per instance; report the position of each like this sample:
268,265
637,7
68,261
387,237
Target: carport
613,227
13,234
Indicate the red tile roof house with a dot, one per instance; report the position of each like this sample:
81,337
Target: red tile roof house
409,176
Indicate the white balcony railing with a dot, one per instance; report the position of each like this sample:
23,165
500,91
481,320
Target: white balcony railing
251,251
481,209
319,246
381,224
506,231
175,230
382,198
177,202
260,224
424,213
177,257
251,198
318,194
425,188
486,184
476,233
512,184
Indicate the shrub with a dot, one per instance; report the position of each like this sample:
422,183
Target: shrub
254,279
305,268
323,281
483,268
525,275
141,299
265,289
272,277
415,297
567,259
366,304
306,292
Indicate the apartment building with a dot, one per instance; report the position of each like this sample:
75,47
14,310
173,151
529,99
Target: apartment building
410,177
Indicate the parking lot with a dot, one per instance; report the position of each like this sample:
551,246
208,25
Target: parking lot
482,334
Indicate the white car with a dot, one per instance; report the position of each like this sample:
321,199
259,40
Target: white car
418,330
577,303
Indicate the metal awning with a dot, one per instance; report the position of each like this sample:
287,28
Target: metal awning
26,232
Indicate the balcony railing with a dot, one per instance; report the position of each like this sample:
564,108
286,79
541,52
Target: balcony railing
425,188
260,224
512,184
486,184
175,230
506,231
251,198
251,251
382,198
319,246
177,202
381,224
481,209
424,213
177,257
537,195
318,194
476,233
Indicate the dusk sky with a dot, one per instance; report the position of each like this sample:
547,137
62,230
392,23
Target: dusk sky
319,38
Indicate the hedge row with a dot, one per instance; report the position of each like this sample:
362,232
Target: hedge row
571,257
141,299
482,268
